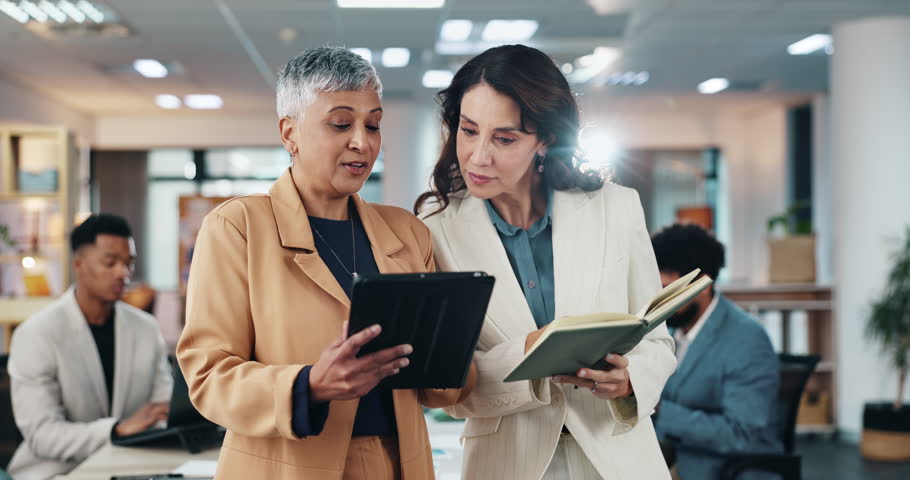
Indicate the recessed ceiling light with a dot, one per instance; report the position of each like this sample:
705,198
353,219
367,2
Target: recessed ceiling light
509,30
365,53
456,30
52,11
91,11
33,10
72,11
567,68
150,68
628,79
812,44
391,3
203,101
396,57
437,78
13,11
169,102
713,85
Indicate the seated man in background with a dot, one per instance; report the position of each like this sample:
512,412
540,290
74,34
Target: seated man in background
722,399
88,367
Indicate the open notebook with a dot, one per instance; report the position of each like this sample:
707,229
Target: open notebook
571,343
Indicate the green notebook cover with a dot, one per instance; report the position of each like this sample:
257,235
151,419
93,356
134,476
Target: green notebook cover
583,342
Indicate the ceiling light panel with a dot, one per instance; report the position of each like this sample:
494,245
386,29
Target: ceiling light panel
713,85
52,11
203,101
365,53
13,11
437,78
150,68
395,57
819,42
167,101
375,4
456,30
509,30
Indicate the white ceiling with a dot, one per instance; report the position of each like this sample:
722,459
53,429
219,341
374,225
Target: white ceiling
681,42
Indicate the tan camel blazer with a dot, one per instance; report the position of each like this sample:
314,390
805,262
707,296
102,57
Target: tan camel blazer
261,304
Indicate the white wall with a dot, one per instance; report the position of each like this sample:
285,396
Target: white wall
186,130
410,138
753,142
21,105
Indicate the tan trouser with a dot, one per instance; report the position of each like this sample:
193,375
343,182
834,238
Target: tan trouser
373,458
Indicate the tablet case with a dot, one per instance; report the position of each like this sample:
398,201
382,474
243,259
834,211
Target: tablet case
440,314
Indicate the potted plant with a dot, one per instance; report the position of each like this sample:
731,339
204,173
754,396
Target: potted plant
886,425
791,246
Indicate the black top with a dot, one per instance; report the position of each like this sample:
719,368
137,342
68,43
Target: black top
104,340
376,411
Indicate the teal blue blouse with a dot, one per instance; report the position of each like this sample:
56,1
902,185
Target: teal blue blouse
531,254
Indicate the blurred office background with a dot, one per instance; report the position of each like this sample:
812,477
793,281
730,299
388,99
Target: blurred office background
727,113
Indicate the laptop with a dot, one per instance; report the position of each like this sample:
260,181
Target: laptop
186,428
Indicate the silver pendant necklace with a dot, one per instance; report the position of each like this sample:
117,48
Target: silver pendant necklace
353,248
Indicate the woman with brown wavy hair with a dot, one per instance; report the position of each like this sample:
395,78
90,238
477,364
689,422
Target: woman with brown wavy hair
509,197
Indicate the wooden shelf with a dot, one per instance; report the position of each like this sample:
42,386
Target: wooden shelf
765,305
27,195
17,257
826,429
52,147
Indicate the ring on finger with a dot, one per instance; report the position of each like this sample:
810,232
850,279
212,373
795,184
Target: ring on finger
594,388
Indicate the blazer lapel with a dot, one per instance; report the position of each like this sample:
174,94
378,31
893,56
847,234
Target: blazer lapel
295,233
578,251
84,344
476,246
124,346
702,343
383,240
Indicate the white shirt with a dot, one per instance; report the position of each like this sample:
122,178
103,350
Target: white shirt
683,339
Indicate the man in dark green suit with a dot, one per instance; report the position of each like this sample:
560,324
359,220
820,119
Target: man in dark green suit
722,399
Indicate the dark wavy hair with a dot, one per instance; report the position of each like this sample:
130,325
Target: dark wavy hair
530,78
683,248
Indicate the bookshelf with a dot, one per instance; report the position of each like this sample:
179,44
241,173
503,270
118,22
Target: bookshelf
38,197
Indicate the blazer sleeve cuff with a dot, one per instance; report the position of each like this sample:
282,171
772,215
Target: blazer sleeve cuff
625,412
307,420
672,419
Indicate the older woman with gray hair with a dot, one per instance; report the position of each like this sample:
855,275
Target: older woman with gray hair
265,350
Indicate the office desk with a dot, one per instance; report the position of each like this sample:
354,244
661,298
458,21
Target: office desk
112,460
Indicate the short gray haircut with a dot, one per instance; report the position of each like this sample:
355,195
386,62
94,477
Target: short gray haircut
322,70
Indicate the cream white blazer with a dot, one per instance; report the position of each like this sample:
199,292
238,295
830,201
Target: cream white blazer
58,390
603,261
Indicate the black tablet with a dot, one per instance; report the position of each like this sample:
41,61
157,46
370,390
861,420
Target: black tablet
440,314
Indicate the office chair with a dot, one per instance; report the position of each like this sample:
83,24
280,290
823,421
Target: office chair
795,371
10,438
